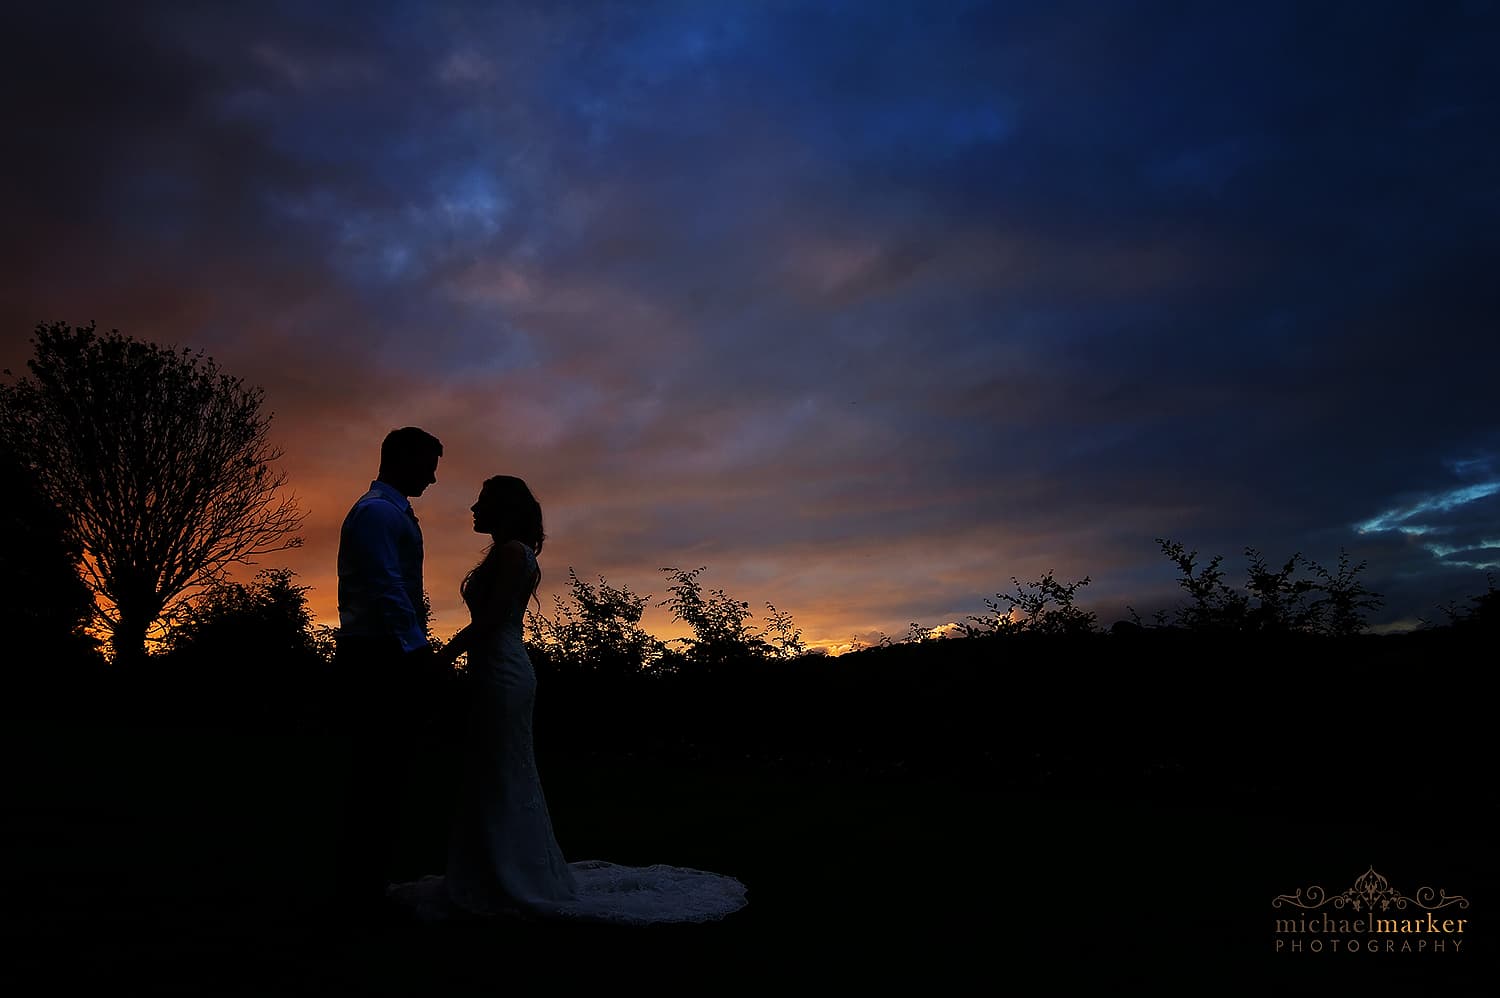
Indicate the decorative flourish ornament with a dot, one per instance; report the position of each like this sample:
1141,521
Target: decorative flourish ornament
1370,890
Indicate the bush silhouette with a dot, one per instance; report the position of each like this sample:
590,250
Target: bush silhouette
248,652
598,630
1044,608
721,636
1275,601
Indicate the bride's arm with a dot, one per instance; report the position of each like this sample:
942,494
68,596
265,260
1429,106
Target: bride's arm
456,646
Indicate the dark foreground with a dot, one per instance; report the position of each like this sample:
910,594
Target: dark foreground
196,862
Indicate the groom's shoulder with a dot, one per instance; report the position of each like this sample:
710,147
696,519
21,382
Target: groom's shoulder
375,503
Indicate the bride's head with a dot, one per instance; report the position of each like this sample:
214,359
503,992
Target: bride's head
507,511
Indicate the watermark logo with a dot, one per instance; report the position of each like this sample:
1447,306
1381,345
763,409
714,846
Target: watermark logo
1371,917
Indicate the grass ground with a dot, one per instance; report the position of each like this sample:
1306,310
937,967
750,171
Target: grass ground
197,862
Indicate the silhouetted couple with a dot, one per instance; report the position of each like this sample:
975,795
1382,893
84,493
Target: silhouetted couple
502,856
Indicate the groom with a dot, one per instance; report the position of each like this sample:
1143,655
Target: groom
389,679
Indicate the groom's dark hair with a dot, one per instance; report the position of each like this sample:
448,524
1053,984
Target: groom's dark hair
401,447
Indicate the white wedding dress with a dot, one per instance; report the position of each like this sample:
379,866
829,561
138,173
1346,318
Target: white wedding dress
503,858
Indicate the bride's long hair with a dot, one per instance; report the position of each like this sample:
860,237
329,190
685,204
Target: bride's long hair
514,515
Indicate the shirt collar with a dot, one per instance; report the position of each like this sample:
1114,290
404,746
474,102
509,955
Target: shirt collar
392,493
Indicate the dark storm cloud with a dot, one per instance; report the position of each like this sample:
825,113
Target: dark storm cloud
868,306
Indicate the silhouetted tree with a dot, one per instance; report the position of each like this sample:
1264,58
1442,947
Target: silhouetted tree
45,600
161,463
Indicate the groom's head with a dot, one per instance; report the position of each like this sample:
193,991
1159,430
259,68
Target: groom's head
409,459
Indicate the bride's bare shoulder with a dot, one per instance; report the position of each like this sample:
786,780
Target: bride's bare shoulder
513,554
514,565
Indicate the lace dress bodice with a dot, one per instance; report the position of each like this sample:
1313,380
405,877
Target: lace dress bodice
512,616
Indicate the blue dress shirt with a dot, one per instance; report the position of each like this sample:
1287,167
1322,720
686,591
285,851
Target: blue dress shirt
380,569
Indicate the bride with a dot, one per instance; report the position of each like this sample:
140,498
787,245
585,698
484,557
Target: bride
503,857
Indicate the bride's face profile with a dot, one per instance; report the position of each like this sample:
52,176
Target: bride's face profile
484,511
506,510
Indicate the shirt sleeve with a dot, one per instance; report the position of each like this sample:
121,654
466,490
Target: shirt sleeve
376,527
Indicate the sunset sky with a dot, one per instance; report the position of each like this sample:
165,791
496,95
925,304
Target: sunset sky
868,307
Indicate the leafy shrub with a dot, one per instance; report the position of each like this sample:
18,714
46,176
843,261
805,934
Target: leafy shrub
1274,601
598,630
1043,607
721,635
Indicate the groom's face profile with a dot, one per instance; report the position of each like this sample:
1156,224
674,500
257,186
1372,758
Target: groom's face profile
423,474
409,460
413,475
